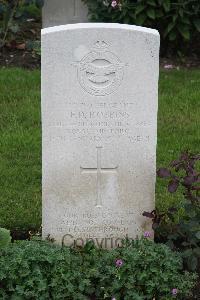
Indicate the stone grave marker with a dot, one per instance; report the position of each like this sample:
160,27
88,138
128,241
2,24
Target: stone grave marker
99,120
63,12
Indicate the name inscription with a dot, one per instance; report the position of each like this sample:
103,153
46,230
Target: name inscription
99,122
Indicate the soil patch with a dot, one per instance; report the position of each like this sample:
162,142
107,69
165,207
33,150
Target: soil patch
10,57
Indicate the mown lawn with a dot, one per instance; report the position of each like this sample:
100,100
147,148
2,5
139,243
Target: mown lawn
20,138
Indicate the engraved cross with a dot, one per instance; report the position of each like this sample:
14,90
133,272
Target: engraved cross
98,171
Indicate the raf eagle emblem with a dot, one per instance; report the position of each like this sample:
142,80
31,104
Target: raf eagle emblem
100,72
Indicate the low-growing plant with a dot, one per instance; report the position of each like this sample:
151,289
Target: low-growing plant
184,236
177,21
139,270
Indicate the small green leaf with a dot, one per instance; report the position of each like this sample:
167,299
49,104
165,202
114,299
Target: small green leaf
170,244
187,253
166,5
174,18
2,43
185,244
132,14
198,235
169,28
127,20
39,3
152,2
181,12
139,8
184,31
18,14
197,251
14,28
151,13
159,13
185,20
192,213
141,19
192,263
197,24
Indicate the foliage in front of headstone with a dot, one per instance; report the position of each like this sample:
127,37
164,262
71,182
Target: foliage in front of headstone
5,238
139,270
14,15
183,174
177,21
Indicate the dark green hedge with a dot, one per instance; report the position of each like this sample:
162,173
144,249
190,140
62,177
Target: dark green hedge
177,21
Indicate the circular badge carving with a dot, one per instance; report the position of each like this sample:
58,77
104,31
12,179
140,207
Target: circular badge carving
100,72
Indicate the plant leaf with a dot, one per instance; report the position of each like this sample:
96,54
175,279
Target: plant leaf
197,251
151,13
39,3
184,31
188,180
173,185
139,8
192,262
198,235
152,2
166,5
14,28
140,19
163,173
169,28
196,23
172,36
148,214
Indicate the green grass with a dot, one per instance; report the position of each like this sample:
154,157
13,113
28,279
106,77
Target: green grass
20,148
178,123
20,138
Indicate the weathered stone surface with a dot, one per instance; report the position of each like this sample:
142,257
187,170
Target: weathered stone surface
63,12
99,116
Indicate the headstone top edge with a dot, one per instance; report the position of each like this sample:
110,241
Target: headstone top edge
59,28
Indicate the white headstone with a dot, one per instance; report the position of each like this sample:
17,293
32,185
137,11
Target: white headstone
99,115
62,12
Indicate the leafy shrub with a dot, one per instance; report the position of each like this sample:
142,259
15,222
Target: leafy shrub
13,14
140,270
182,174
5,238
177,21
